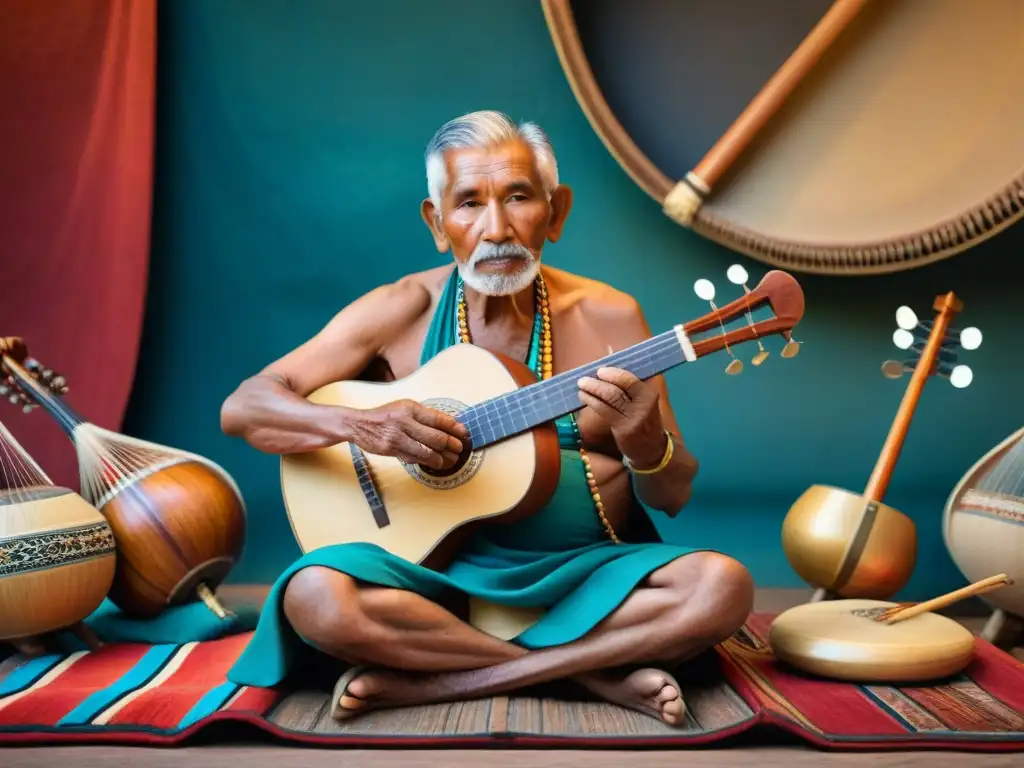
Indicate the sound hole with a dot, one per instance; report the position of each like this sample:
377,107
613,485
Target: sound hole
463,459
465,468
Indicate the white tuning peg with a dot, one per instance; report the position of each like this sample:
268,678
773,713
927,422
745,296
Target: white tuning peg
704,289
970,338
903,338
737,274
893,369
961,376
906,318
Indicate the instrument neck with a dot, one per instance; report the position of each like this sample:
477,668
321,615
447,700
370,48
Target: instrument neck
523,409
65,416
878,483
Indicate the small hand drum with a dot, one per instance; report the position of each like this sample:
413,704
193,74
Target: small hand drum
843,639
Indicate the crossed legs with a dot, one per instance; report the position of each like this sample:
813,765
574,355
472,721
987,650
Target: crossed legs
418,652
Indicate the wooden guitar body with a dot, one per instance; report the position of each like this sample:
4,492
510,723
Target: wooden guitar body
427,514
821,541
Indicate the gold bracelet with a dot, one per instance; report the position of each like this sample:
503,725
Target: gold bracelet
670,448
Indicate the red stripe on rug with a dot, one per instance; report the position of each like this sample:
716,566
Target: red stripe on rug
832,707
91,673
204,668
255,700
999,673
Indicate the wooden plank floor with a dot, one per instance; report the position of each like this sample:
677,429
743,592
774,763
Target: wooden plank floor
776,752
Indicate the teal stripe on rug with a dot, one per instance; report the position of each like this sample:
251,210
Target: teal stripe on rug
28,673
210,703
140,674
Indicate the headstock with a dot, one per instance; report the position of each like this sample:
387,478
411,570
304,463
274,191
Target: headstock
20,373
777,289
941,355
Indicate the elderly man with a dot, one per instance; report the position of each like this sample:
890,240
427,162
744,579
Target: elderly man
616,607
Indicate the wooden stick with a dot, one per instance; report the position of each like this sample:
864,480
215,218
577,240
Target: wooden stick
947,306
776,91
971,590
687,196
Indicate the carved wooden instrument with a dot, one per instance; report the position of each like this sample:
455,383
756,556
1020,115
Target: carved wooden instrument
57,556
178,518
876,641
852,544
824,134
983,527
510,469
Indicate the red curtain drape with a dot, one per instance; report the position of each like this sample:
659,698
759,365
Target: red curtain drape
77,87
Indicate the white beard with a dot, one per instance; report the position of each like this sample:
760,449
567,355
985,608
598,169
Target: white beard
499,284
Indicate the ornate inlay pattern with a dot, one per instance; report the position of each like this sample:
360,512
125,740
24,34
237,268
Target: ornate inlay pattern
50,549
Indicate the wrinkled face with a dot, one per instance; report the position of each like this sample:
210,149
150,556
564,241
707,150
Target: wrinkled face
496,217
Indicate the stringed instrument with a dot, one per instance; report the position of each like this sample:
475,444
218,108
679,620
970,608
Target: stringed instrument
178,518
511,462
877,641
57,556
983,528
848,544
850,137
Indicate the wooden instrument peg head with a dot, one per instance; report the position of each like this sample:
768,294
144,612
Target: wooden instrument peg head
948,303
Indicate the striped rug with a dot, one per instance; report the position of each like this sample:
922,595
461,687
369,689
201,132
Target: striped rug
133,693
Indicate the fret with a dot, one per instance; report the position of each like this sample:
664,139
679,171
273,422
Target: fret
523,409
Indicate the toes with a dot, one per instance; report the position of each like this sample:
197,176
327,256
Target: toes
364,686
667,693
672,711
350,702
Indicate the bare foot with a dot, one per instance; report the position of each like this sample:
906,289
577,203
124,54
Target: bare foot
362,689
650,691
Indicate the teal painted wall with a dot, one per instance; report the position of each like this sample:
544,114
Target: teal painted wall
289,175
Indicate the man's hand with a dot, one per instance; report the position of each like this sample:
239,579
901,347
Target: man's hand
630,408
409,431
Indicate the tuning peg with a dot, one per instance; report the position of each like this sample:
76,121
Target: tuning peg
970,338
737,275
960,376
906,318
903,338
704,289
792,348
893,369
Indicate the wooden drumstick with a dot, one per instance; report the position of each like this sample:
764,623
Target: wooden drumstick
686,197
901,613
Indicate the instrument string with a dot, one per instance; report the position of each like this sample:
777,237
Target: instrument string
20,470
558,387
1007,476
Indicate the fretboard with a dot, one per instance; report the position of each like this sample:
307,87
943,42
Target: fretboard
523,409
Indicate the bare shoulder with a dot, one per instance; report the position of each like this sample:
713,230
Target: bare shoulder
597,304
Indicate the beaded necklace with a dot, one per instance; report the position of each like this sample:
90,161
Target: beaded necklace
540,349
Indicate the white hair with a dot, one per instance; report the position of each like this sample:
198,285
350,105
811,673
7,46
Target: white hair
483,129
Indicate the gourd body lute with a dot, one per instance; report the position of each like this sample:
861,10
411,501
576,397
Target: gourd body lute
57,560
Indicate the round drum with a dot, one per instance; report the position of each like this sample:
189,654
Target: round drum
841,639
900,142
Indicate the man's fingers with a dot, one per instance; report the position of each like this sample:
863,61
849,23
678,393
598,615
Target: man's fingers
433,438
610,394
624,380
440,420
415,452
600,407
